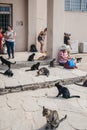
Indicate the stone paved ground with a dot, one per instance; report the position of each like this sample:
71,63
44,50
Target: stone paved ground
23,111
22,78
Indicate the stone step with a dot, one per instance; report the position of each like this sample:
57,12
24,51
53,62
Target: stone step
43,85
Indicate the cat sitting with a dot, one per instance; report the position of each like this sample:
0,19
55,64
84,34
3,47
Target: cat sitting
6,62
64,92
52,118
34,67
43,71
8,73
31,57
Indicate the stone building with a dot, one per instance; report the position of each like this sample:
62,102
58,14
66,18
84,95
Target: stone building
29,17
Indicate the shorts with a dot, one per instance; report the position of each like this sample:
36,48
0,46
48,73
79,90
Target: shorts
40,39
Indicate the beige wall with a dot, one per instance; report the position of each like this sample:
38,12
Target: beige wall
41,19
76,23
55,25
19,14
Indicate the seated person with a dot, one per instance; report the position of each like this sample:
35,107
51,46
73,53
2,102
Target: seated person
63,55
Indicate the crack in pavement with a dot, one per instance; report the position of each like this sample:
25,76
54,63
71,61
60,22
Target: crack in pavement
74,127
83,114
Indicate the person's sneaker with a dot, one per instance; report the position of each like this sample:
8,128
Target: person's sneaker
12,57
8,58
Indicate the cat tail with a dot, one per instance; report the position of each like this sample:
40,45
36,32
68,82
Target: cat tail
28,70
1,73
13,63
63,119
78,84
75,96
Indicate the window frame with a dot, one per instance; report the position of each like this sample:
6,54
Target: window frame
9,12
76,10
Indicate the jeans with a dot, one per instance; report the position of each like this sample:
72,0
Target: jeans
10,48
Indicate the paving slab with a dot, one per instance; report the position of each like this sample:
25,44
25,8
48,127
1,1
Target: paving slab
24,110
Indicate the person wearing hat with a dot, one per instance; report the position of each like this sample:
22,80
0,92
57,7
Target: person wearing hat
63,55
67,41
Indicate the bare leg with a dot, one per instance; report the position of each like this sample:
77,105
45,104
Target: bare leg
41,48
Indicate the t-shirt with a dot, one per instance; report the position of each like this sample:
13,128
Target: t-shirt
1,36
11,36
64,55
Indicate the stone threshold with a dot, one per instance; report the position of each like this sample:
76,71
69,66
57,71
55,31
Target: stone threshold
36,86
22,64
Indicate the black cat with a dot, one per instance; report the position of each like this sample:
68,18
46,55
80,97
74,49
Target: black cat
8,73
31,57
64,92
43,71
52,63
34,67
78,59
8,63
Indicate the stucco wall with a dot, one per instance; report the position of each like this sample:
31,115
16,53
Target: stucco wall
76,23
19,14
41,19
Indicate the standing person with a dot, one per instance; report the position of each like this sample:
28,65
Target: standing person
10,40
67,42
41,38
1,40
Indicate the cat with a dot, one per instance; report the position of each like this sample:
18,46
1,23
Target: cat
78,59
31,57
34,67
84,83
43,71
8,63
64,92
52,118
8,73
52,63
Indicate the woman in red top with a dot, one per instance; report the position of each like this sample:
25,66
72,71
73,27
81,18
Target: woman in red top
1,36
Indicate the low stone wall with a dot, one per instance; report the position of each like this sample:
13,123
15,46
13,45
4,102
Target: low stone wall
48,84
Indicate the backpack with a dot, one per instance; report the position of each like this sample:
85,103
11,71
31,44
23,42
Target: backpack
33,48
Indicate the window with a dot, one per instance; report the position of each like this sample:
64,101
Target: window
75,5
5,15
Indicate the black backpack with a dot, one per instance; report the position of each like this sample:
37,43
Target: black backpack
33,48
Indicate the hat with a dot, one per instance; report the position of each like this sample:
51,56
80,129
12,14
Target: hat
63,47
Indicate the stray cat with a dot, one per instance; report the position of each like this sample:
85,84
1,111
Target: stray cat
8,73
84,83
78,59
43,71
34,67
64,92
52,118
31,57
8,63
52,63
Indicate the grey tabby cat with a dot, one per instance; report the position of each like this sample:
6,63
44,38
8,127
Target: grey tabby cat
52,118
